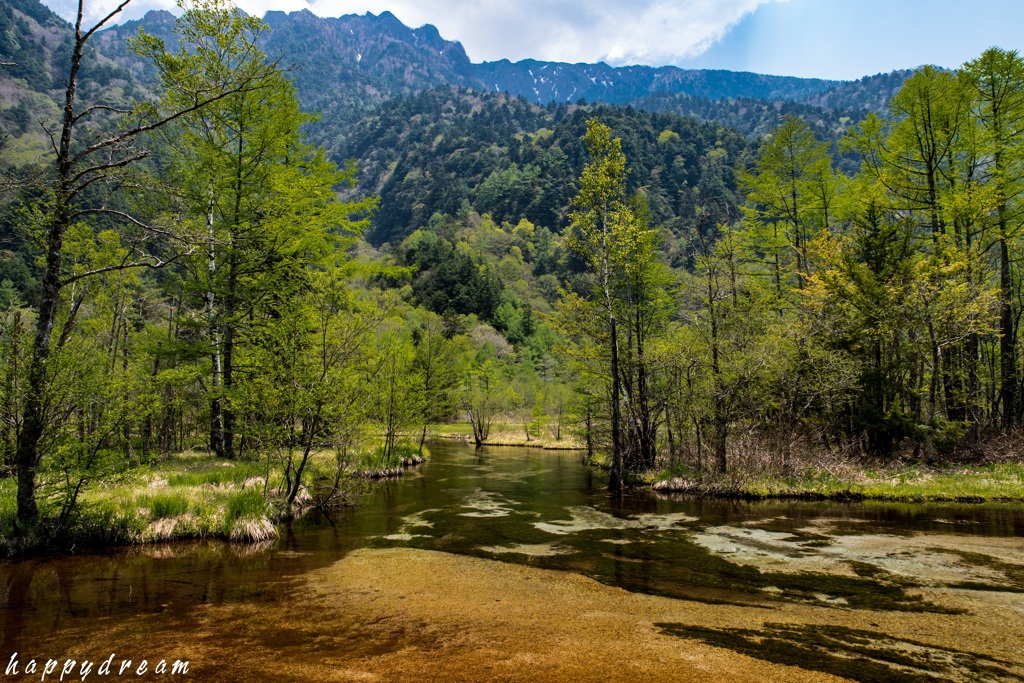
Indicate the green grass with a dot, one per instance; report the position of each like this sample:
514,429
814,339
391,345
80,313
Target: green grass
454,429
164,505
512,434
247,503
906,483
217,475
186,495
372,459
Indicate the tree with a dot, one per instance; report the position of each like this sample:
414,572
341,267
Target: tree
262,199
733,318
394,399
599,221
436,362
867,287
85,163
997,78
484,394
791,192
609,237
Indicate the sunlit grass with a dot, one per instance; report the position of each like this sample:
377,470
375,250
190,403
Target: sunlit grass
186,496
904,483
454,429
190,495
513,434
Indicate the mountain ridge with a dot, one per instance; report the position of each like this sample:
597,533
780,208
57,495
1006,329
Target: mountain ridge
344,66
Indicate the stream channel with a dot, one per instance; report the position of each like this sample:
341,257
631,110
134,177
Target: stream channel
515,564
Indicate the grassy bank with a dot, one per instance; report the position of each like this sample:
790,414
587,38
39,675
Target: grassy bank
189,495
505,434
912,483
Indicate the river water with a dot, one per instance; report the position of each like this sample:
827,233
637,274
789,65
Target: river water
858,591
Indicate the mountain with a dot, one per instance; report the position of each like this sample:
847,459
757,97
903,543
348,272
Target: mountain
435,133
428,130
346,65
544,82
28,31
343,67
871,93
445,150
39,44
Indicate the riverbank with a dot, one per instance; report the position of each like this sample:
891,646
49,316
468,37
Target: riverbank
909,483
188,496
512,435
1001,481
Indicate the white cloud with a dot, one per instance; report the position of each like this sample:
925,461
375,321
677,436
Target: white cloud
641,31
637,32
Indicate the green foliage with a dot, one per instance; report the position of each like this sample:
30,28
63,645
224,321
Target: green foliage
247,503
577,267
164,505
431,152
449,279
213,476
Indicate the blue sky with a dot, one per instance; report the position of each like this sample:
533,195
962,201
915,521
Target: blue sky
840,39
849,39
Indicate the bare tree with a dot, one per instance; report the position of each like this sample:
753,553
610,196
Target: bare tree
85,161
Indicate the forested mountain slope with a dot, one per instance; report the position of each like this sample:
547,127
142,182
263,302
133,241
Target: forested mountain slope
446,150
344,67
544,82
37,45
753,117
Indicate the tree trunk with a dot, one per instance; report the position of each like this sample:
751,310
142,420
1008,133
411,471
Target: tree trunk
590,434
27,455
615,478
671,441
648,433
213,330
721,434
1007,342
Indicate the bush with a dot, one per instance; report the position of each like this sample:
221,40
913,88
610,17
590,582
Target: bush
947,435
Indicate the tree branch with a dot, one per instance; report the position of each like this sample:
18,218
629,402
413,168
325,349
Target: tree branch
138,130
131,219
100,107
49,134
70,324
102,21
155,264
120,163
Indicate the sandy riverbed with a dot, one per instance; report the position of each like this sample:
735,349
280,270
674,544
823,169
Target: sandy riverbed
404,614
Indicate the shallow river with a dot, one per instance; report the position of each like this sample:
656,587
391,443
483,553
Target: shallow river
514,564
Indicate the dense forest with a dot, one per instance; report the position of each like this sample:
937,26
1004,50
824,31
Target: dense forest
502,156
186,271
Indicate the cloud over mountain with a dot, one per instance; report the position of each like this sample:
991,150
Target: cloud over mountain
638,32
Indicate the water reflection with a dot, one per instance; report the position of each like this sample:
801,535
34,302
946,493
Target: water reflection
544,509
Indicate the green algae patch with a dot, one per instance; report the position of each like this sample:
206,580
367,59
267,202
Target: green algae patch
858,655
